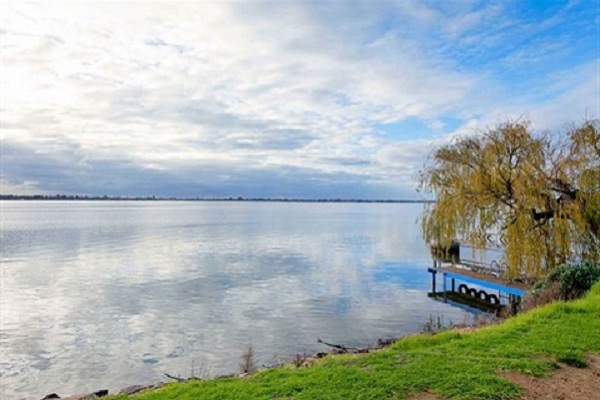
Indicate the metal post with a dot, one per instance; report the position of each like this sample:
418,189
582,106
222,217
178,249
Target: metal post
453,285
444,286
513,304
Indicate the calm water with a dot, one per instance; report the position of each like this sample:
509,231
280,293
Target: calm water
101,295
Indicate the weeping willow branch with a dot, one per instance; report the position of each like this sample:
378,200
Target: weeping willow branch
542,194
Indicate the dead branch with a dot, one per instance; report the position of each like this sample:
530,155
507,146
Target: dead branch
341,347
176,378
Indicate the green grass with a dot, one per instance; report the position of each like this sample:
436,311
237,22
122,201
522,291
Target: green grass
459,365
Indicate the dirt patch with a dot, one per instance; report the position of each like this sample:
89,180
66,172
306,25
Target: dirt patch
425,396
568,383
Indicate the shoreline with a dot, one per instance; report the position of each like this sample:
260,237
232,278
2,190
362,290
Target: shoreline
551,350
297,361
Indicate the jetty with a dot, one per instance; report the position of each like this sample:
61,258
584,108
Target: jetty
474,283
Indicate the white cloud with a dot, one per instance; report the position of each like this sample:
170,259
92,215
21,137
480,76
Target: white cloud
227,84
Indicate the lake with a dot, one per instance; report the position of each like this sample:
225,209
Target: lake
106,294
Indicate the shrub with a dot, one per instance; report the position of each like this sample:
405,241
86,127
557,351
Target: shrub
575,280
566,282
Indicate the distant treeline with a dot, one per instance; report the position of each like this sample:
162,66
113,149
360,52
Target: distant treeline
155,198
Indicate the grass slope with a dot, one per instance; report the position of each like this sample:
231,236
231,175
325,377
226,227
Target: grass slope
461,365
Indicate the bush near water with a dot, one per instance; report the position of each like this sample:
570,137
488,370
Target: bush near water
572,281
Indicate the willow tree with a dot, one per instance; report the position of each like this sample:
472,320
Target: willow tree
540,192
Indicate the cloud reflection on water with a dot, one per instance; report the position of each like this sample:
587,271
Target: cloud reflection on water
108,295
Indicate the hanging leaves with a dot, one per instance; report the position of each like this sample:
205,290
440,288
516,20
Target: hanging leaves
541,192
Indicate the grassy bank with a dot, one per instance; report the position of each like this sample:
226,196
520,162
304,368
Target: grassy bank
454,364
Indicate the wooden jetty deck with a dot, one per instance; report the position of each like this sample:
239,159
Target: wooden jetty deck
485,291
494,282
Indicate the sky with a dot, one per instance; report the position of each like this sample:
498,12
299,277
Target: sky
282,99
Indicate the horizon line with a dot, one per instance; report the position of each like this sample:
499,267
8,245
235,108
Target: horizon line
226,198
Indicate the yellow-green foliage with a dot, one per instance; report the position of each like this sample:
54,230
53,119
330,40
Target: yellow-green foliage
541,192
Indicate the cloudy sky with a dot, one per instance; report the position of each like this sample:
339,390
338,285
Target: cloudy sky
311,99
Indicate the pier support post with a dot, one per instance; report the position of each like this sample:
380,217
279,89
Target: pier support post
513,300
444,288
453,287
433,272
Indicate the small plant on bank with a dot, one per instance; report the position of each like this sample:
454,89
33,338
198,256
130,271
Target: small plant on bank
485,319
299,360
435,324
248,364
199,371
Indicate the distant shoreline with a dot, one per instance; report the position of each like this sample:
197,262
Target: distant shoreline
199,199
